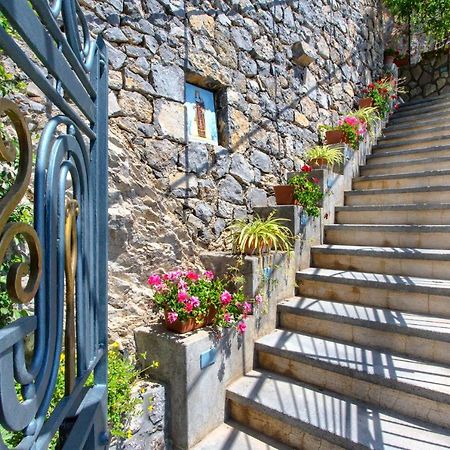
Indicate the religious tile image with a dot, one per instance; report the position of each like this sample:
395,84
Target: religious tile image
201,115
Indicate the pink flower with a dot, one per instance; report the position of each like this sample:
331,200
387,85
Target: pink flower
259,298
173,276
242,326
247,308
154,280
195,302
172,317
182,296
306,168
209,275
225,298
315,180
182,285
352,121
227,317
188,306
192,275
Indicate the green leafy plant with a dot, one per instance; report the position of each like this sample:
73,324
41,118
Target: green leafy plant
381,93
330,154
351,126
307,193
258,235
390,52
369,116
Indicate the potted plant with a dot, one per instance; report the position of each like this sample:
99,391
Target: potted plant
258,235
365,102
307,191
402,60
322,156
380,92
191,300
349,130
369,116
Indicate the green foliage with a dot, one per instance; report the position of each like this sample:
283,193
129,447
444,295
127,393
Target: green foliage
259,235
369,116
9,83
307,193
332,155
430,16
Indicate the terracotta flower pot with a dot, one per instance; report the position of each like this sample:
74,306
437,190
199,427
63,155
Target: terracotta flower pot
336,137
319,163
402,62
284,194
180,326
366,102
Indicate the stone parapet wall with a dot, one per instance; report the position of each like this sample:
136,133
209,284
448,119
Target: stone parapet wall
429,77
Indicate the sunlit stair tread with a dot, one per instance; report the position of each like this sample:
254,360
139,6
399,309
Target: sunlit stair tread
391,252
426,173
433,150
382,367
335,418
405,190
399,207
234,436
409,162
409,141
417,132
425,326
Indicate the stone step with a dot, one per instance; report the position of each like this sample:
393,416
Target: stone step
404,236
381,157
416,112
425,116
407,386
406,196
399,135
414,262
405,293
234,436
415,335
413,125
424,101
412,143
304,417
405,166
427,214
403,180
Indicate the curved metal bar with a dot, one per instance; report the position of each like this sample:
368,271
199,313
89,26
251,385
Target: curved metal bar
55,7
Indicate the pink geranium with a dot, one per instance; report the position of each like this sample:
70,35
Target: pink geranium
209,275
352,121
306,168
182,285
195,302
192,275
246,308
225,298
258,298
241,326
172,317
188,306
154,280
227,318
182,296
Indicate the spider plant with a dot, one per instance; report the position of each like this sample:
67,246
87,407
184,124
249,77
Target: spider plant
368,115
331,155
258,235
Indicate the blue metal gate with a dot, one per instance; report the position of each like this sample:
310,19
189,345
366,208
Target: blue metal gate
67,271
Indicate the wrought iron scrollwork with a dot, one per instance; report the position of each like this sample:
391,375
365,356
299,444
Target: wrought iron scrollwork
9,231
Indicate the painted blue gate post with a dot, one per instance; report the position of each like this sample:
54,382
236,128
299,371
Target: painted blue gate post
67,271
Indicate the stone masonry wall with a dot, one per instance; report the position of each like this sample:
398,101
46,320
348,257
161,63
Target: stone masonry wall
169,200
429,77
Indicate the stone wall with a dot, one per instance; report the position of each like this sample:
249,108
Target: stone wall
429,77
171,200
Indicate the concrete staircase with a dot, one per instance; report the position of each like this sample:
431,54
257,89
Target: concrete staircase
361,358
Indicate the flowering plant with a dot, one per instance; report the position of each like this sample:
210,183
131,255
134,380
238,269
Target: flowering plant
354,128
307,191
381,92
185,295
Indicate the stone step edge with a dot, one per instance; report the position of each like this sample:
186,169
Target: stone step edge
410,190
382,252
427,173
396,228
396,207
412,151
376,284
374,378
384,144
421,101
419,111
407,163
283,308
396,135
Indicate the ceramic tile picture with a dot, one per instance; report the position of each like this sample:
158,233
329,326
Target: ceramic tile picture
201,115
